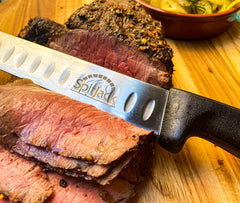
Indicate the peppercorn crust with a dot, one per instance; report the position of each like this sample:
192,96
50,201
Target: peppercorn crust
128,21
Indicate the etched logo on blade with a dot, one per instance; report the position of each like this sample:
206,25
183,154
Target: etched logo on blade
98,87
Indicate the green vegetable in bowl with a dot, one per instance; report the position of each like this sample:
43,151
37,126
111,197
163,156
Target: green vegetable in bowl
194,6
202,7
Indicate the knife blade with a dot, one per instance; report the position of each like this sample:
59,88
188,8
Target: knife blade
171,114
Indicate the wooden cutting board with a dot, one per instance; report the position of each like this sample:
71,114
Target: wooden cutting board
201,172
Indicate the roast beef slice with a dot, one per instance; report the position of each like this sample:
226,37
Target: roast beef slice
102,174
78,191
49,161
104,50
66,126
21,180
31,124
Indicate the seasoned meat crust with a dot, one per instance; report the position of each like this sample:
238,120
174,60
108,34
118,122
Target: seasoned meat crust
127,21
41,31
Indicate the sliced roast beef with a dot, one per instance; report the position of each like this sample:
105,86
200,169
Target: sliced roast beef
68,136
49,161
118,35
16,145
128,165
66,126
21,180
76,191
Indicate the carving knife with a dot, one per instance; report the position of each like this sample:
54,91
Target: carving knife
171,114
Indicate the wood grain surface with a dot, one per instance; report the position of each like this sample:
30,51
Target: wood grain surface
201,172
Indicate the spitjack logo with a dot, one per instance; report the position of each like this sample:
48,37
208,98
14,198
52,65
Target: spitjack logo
98,87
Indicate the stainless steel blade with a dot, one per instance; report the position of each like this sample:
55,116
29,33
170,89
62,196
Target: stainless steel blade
137,102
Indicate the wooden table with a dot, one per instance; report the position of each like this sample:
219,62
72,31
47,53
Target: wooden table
201,172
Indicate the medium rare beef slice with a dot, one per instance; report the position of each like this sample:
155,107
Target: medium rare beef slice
102,174
118,35
66,126
104,50
65,133
77,191
49,161
21,180
72,190
15,144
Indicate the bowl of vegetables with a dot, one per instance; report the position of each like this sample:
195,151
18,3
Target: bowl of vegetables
193,19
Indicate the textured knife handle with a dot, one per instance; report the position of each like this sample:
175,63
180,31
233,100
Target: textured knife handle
219,123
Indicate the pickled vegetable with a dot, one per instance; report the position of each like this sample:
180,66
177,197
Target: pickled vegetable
173,6
203,7
194,6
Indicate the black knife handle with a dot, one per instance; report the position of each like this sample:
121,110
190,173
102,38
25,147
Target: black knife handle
185,112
